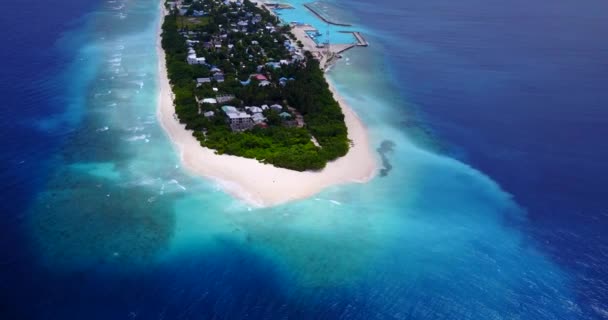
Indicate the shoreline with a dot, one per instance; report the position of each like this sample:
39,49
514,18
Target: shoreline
249,180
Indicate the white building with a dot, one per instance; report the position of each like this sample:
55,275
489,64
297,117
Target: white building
240,121
193,59
258,118
209,100
255,109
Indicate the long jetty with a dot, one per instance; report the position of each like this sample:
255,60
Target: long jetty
277,5
361,42
322,17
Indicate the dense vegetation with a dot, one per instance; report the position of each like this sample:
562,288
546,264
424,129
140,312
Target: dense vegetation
279,142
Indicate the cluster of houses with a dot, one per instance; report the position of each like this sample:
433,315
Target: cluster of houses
248,117
252,25
242,21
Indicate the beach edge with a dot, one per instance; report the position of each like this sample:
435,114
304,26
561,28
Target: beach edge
256,183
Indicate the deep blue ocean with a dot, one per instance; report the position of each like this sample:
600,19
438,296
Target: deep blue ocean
497,211
517,90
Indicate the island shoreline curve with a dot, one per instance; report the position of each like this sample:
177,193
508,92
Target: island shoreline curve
256,183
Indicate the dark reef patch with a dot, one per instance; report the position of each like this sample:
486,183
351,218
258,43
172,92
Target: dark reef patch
386,147
81,221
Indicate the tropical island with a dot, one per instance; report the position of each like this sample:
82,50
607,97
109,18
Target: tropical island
245,87
255,179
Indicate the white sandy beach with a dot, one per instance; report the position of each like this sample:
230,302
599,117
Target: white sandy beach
262,184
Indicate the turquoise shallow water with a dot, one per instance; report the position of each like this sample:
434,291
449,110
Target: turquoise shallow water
134,233
301,14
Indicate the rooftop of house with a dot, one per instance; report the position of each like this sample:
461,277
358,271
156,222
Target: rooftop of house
254,109
238,115
230,109
258,117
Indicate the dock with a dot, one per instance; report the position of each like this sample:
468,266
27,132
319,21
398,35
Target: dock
361,42
279,5
339,48
322,17
326,56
